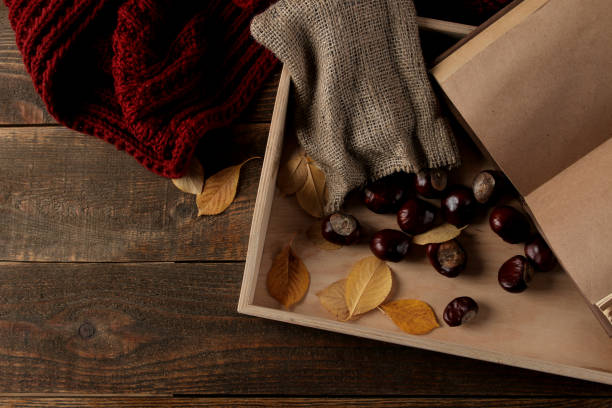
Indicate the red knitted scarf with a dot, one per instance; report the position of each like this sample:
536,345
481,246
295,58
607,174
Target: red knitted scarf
150,76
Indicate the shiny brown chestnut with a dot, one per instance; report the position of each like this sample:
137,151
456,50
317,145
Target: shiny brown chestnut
430,183
390,245
448,258
341,229
515,273
416,216
510,224
387,194
459,206
488,186
460,310
540,254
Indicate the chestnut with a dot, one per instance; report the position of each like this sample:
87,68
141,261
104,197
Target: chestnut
459,206
430,183
460,310
341,229
510,224
488,186
448,258
416,216
387,194
515,273
540,254
390,245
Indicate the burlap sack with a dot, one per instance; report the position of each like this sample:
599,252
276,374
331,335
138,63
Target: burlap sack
364,107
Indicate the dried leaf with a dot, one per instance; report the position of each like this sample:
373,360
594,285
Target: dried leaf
192,181
443,233
288,278
332,299
311,196
316,237
219,190
292,172
412,316
367,286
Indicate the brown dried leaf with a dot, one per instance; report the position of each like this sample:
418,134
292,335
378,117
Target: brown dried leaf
311,196
220,190
367,286
332,299
443,233
316,237
288,278
412,316
292,172
192,181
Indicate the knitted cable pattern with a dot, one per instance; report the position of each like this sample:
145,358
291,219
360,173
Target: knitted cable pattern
150,76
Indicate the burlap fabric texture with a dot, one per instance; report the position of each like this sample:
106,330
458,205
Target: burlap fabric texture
363,104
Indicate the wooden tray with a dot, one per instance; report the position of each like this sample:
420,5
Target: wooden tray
547,328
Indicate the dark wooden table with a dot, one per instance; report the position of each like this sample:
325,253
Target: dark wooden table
114,293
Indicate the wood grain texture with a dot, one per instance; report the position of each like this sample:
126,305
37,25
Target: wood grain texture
261,107
19,102
146,402
164,328
172,328
21,105
71,197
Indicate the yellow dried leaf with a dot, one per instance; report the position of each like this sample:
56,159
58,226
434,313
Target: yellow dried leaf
316,237
332,299
192,181
443,233
412,316
219,190
288,278
367,286
292,172
311,196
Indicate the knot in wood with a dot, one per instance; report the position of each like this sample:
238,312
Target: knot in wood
87,330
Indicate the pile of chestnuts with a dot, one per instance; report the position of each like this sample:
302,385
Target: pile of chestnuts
404,195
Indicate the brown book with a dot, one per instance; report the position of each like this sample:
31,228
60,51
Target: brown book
534,89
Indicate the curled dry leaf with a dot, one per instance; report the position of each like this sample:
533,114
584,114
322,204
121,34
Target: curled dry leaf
292,172
443,233
192,181
220,190
332,299
412,316
316,237
311,196
367,286
288,278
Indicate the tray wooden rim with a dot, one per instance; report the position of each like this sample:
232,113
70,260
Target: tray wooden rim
261,217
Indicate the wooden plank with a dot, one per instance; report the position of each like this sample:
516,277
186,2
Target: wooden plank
112,402
265,192
260,108
71,197
20,104
455,30
166,328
